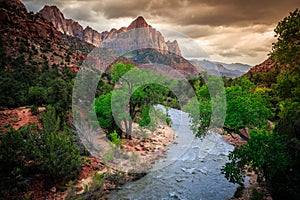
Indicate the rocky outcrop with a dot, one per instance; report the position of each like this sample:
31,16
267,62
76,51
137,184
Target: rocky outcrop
69,26
267,65
173,47
14,18
139,22
13,5
91,36
139,34
66,26
36,39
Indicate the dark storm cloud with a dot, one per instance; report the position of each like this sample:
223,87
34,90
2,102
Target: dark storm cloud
203,12
79,13
184,12
229,30
232,12
118,9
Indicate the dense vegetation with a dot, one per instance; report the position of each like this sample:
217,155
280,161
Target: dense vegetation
266,99
28,151
27,78
256,102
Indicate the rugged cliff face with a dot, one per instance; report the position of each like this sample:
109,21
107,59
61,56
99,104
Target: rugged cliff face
139,34
65,26
33,38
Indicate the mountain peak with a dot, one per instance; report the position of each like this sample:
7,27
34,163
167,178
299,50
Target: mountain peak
13,4
51,10
139,22
51,7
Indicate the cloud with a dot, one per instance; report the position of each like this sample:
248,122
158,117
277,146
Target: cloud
180,12
36,5
223,13
118,9
227,30
81,12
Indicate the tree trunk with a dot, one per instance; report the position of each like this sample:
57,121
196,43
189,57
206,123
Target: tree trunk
126,128
129,129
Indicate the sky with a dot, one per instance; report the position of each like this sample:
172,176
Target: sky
228,31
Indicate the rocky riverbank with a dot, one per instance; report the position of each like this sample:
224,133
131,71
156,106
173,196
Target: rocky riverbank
146,145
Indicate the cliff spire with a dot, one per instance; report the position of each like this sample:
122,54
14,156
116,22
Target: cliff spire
139,22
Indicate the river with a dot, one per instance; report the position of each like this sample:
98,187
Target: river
190,171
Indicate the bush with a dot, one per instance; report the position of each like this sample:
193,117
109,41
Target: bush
115,139
256,195
60,159
29,150
34,110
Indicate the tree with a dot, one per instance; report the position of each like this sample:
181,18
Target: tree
246,108
31,150
135,90
265,153
60,159
37,95
102,106
286,50
275,156
118,70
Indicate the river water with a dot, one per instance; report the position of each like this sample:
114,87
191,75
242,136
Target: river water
190,171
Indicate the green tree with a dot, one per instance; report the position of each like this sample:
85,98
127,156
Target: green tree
265,153
275,156
286,50
246,108
102,106
37,95
60,159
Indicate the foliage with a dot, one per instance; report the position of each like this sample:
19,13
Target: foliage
118,70
102,106
256,195
274,156
115,139
246,108
29,150
145,117
26,84
210,104
286,50
11,157
265,153
131,99
59,157
288,84
93,192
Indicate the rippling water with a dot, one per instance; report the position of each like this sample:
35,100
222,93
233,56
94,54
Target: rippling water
190,171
